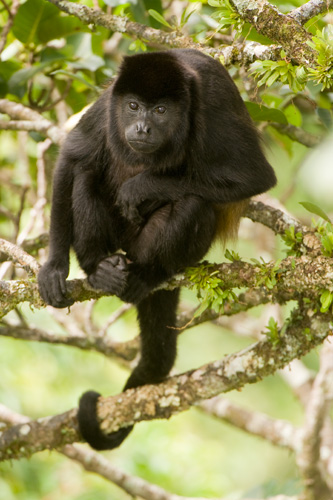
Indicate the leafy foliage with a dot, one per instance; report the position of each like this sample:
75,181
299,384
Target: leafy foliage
324,231
226,15
268,273
268,72
210,290
323,44
293,241
232,255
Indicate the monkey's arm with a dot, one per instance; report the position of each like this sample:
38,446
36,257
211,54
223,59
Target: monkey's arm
53,274
223,185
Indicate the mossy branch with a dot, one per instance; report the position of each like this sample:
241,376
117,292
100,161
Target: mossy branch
177,393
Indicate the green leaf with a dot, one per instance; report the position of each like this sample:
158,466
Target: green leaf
158,17
186,15
274,76
314,209
7,68
18,80
75,76
59,27
28,18
326,300
202,308
293,115
325,116
38,21
263,113
215,3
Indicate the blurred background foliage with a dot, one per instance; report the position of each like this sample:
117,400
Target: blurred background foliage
56,65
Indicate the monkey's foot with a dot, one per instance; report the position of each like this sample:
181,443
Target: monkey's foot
111,275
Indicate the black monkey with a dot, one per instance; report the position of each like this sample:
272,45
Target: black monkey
157,168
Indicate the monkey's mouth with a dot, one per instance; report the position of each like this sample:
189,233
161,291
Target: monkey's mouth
143,146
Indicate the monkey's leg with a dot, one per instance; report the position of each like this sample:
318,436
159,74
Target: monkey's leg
157,317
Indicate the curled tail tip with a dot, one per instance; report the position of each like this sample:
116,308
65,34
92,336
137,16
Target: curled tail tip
89,425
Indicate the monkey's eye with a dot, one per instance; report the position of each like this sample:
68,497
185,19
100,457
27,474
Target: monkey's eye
160,110
133,106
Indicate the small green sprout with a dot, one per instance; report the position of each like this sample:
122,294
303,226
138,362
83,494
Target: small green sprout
210,291
272,332
326,300
226,15
267,275
323,44
231,255
293,241
283,71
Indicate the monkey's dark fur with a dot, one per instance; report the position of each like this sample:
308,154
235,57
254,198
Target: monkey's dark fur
158,168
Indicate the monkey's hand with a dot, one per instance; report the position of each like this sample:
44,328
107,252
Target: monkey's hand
129,199
110,275
52,285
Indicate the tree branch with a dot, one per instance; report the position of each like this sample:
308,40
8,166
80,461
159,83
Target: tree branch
6,29
124,350
297,278
17,255
283,29
135,486
231,54
297,134
97,463
177,393
278,432
316,413
28,119
310,9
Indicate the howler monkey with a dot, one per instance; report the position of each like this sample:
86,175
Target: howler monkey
154,171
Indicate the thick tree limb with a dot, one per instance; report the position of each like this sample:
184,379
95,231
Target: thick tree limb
280,28
97,463
231,54
266,18
237,274
177,393
297,277
277,220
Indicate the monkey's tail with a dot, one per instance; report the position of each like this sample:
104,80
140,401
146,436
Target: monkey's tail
157,319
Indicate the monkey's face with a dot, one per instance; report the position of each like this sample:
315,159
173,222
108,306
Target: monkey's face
148,126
